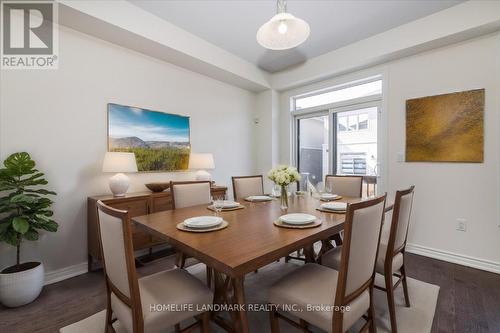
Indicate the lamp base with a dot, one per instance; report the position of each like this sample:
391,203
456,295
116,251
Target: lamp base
118,184
203,175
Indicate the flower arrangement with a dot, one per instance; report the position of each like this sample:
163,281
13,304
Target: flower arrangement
283,175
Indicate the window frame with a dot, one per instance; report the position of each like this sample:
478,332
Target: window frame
330,110
341,86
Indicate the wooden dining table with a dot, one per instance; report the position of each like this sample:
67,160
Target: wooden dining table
249,242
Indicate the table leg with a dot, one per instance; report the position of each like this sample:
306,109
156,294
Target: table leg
239,299
309,253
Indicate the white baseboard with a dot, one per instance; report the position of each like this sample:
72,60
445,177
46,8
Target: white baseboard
82,268
455,258
65,273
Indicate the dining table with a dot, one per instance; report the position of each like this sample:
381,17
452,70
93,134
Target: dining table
249,242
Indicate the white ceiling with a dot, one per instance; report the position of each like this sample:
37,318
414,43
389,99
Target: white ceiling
232,24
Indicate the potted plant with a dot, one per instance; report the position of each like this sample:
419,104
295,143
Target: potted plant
24,209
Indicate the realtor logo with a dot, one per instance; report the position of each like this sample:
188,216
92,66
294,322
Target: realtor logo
29,35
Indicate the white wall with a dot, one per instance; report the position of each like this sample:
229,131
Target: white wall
444,191
266,140
59,117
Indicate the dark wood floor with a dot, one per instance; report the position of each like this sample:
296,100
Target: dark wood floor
469,299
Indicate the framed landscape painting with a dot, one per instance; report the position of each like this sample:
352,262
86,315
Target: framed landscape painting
159,140
446,128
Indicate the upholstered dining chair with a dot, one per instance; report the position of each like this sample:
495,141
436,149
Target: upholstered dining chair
346,186
390,260
329,291
129,299
187,194
245,186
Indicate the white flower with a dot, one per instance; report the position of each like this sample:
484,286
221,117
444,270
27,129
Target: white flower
283,175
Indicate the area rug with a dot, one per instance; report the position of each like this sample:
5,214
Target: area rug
415,319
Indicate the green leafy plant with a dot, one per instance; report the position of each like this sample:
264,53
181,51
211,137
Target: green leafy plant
24,204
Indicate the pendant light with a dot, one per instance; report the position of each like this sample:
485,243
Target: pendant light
283,31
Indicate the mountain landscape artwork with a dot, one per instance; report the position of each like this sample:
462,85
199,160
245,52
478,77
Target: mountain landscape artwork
159,140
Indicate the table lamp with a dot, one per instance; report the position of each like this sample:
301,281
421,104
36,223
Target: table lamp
119,163
202,162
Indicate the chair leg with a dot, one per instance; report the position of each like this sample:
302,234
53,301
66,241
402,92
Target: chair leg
109,325
371,314
180,260
390,301
405,286
205,322
209,277
275,325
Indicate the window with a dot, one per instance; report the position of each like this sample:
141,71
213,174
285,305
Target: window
338,95
337,138
355,122
363,121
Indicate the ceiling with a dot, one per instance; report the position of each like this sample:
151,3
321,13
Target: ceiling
232,24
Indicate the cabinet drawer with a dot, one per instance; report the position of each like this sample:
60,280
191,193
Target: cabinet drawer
134,207
160,204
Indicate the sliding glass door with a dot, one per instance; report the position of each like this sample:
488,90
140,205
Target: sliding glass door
341,141
355,143
312,147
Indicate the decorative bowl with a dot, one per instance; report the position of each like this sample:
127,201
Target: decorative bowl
157,187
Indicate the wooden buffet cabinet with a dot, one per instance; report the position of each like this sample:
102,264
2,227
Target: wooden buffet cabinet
137,204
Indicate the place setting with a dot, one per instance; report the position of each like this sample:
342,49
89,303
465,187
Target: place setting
221,205
258,198
333,207
203,224
298,221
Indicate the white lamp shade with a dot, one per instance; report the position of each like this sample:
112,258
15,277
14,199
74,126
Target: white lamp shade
201,161
283,31
119,162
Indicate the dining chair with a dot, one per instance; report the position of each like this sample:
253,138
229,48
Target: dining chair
390,260
187,194
132,300
329,291
245,186
346,186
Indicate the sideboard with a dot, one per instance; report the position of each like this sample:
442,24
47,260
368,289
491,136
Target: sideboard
139,203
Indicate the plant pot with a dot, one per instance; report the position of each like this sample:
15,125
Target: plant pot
21,287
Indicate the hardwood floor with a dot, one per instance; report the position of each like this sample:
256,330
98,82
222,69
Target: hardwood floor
469,299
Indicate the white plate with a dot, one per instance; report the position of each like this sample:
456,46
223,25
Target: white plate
297,218
328,196
258,198
334,206
203,222
230,204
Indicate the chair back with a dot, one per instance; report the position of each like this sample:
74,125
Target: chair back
346,186
245,186
115,236
191,193
400,220
362,230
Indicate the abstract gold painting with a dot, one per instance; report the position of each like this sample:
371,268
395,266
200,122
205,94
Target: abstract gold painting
446,128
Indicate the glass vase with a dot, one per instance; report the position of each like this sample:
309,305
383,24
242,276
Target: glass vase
284,197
